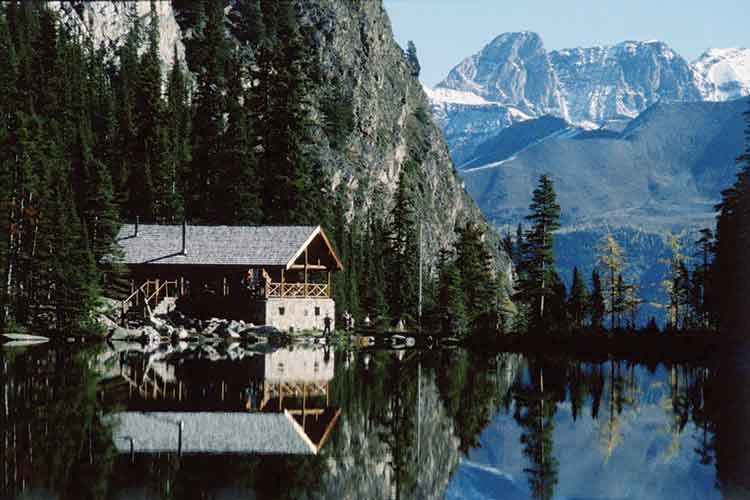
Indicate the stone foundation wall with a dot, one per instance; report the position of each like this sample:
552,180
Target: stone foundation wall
298,314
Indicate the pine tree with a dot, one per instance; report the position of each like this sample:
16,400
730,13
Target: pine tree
240,202
450,295
611,260
474,262
412,59
127,131
619,304
538,266
578,302
403,252
210,55
701,277
178,127
673,280
597,304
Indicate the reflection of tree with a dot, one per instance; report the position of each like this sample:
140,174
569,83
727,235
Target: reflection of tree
471,394
701,417
610,432
535,411
50,418
727,405
398,424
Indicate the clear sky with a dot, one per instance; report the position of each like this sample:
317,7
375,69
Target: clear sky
447,31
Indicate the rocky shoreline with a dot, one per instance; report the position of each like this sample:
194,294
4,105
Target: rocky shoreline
174,327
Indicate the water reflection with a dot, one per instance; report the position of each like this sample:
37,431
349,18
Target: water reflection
305,422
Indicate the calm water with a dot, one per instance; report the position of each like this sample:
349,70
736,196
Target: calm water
225,423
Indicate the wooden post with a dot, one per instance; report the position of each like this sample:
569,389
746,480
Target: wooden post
179,442
329,285
282,282
305,272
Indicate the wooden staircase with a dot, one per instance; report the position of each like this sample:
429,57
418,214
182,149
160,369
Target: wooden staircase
152,297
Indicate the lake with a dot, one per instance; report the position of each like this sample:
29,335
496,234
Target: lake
226,422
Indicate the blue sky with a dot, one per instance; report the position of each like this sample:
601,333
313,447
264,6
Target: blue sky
446,31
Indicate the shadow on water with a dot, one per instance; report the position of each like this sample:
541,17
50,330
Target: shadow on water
222,421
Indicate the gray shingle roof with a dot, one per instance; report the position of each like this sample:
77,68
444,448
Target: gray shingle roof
209,432
213,245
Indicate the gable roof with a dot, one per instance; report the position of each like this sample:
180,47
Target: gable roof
211,432
218,245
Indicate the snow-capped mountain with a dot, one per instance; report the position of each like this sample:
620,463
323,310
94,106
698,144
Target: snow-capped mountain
723,74
467,119
513,69
514,78
616,83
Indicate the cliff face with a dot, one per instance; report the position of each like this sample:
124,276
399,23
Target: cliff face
390,114
107,23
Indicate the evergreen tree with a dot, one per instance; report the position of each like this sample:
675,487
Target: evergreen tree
412,59
403,251
538,266
450,295
701,277
619,303
474,263
673,280
295,181
578,302
597,304
611,260
178,127
210,56
518,247
238,172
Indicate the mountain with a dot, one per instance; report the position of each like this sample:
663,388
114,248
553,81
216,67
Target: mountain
669,164
467,119
361,75
723,74
513,69
515,78
615,83
664,172
514,139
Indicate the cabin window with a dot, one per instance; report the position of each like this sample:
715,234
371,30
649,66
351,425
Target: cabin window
281,311
317,311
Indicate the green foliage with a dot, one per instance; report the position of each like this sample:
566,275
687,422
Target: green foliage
537,269
578,301
402,263
451,295
474,263
727,294
597,306
338,113
412,59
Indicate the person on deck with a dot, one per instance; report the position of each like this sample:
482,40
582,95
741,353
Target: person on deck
327,325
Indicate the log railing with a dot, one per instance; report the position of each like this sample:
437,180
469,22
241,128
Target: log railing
149,294
298,290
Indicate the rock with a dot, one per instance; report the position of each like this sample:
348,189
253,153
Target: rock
124,334
264,331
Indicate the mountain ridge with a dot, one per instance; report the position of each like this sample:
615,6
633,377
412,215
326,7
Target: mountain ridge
603,86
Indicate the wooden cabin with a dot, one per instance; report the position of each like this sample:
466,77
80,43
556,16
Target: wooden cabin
272,275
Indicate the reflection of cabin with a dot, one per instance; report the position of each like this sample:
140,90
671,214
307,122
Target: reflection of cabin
275,275
275,403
